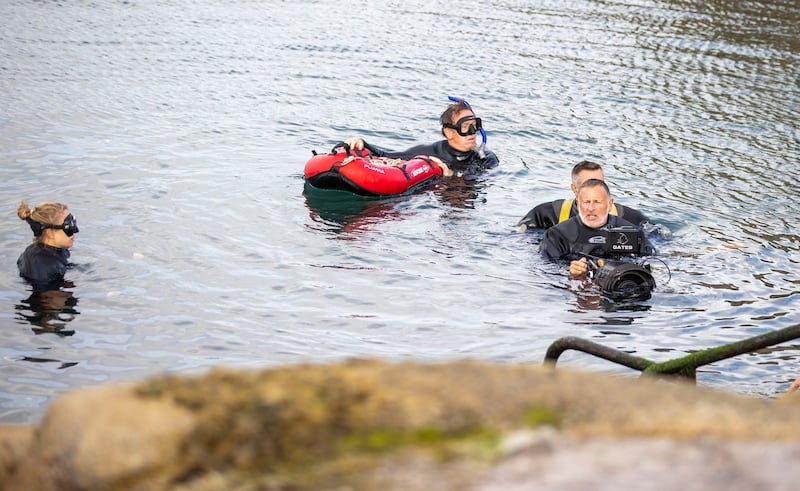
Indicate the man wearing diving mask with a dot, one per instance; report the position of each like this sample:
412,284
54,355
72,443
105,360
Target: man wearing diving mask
460,153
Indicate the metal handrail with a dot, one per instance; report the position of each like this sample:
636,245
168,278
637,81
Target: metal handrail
685,366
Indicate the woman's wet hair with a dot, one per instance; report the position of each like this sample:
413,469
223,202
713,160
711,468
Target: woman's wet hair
47,213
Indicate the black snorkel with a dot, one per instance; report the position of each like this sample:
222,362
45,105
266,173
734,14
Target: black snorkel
480,148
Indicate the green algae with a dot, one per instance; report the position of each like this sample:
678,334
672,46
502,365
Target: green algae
381,440
542,416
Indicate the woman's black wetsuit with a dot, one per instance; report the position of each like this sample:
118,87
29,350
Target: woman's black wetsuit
42,265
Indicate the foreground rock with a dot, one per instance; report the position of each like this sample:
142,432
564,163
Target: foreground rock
378,426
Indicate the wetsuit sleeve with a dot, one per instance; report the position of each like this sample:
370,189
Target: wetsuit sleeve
641,220
407,154
466,165
541,216
376,150
412,152
632,215
490,160
554,245
477,165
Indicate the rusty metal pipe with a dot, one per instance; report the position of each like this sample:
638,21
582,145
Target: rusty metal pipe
571,342
684,366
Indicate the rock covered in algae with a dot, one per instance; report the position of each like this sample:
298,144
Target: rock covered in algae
367,425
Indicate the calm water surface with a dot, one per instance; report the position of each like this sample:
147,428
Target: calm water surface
177,131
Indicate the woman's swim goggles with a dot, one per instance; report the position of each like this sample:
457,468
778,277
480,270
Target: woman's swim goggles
70,226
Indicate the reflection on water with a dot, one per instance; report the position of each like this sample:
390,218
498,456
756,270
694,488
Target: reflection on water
588,297
346,213
62,364
461,194
350,214
49,311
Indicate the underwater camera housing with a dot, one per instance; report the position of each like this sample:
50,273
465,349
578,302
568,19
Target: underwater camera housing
623,240
624,280
619,280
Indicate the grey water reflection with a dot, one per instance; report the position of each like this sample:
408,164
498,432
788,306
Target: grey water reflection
49,310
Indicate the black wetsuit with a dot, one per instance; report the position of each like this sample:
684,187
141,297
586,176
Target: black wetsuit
43,266
545,215
465,164
572,240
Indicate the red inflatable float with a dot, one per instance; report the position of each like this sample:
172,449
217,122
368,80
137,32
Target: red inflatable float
368,175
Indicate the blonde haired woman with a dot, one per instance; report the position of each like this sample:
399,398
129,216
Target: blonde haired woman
44,262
